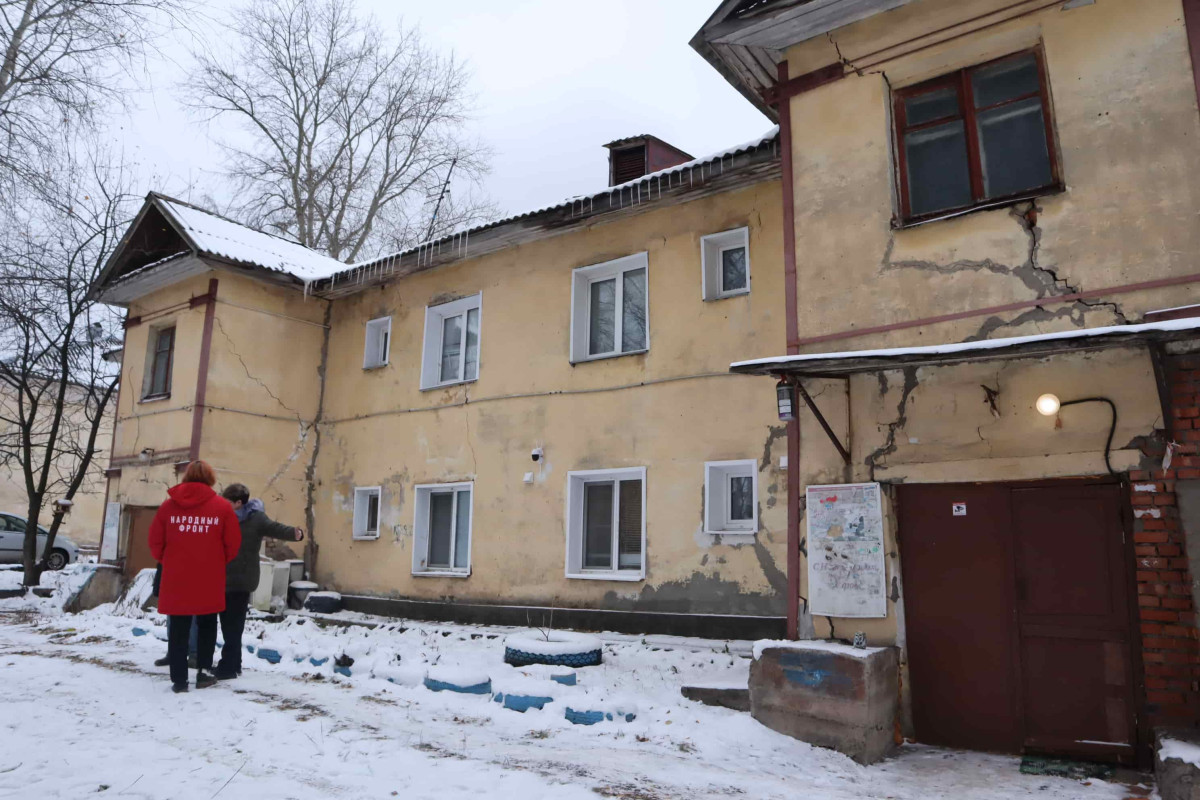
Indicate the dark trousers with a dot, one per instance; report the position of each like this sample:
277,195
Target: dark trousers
177,643
233,622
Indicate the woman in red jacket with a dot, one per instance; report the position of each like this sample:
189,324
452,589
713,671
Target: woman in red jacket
194,535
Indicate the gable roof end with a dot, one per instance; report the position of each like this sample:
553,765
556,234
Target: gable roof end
745,40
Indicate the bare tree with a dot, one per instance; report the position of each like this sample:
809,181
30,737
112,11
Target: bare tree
63,59
54,384
345,133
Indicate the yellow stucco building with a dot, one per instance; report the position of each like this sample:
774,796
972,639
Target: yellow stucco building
535,415
966,257
989,225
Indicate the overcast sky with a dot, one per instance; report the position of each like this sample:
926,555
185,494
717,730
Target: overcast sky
555,80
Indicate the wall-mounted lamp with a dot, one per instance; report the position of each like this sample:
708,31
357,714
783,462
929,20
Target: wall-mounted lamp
1048,405
785,397
146,454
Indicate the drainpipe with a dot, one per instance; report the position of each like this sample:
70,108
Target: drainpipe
793,334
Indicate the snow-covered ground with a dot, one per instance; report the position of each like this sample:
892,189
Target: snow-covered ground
85,713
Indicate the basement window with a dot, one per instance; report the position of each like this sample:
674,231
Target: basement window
975,138
160,361
731,497
725,262
451,350
442,530
606,524
378,343
608,309
366,512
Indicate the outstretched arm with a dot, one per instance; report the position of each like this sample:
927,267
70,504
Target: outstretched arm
277,530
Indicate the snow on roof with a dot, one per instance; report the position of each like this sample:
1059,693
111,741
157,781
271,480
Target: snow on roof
227,239
697,163
1186,324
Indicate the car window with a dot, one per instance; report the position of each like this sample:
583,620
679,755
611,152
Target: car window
10,523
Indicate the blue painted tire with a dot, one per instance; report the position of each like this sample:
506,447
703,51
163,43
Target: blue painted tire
522,702
441,686
269,655
521,658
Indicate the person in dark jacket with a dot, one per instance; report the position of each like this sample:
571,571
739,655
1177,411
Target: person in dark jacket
194,535
241,576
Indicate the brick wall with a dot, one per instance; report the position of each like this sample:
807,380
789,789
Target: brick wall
1170,641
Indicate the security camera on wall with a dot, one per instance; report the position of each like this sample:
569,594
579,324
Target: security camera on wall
537,454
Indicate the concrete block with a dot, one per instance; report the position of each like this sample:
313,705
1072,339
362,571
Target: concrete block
1177,778
734,697
830,696
104,585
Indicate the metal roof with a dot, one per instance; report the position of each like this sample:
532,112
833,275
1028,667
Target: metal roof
855,361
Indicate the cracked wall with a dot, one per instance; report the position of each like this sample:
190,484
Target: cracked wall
261,398
1127,128
381,429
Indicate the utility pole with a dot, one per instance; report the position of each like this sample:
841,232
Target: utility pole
437,208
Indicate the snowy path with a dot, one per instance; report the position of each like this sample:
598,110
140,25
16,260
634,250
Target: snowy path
84,708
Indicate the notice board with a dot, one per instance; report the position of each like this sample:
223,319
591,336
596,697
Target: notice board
846,575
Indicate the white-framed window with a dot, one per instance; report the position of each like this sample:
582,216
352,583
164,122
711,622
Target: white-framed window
731,497
725,263
451,351
442,529
609,309
378,343
366,512
606,524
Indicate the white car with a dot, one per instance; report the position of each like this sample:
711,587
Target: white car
12,540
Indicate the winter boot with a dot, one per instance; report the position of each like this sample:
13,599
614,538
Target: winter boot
179,688
223,673
162,662
205,679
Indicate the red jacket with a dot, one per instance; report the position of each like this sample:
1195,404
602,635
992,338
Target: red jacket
194,535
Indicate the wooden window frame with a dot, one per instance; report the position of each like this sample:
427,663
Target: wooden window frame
961,79
154,353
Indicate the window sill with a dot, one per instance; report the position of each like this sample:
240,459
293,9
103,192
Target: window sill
155,398
447,385
1049,191
607,356
727,295
364,538
733,534
608,576
441,573
372,367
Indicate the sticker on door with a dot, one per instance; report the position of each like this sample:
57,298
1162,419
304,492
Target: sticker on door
959,509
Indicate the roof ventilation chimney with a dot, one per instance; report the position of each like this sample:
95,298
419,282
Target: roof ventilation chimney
635,156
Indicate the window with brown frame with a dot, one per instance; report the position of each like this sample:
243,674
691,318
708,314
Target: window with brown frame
975,137
160,363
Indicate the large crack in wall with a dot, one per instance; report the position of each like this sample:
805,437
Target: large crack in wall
1041,279
889,446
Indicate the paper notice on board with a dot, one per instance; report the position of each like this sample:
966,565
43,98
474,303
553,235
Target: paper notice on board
846,574
112,532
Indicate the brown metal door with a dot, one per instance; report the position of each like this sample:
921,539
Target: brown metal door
137,553
958,613
1017,617
1073,616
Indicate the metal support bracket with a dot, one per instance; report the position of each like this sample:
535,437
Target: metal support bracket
821,419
